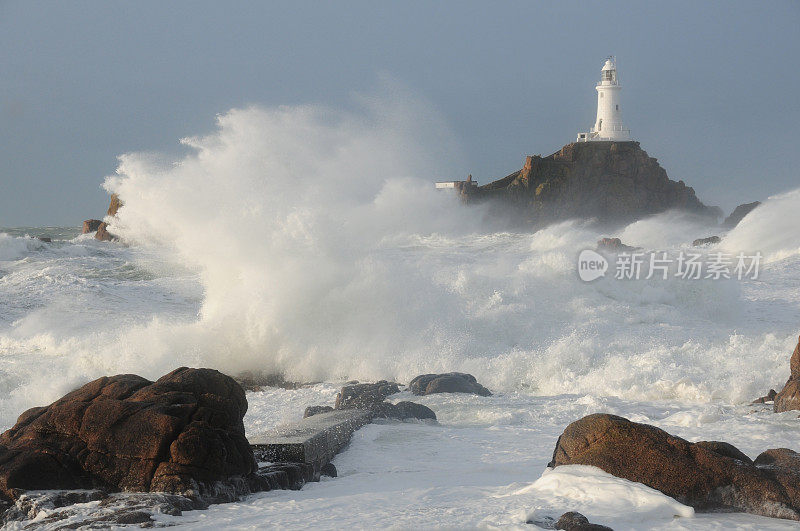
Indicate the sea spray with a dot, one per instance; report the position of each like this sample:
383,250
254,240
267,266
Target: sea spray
771,228
311,242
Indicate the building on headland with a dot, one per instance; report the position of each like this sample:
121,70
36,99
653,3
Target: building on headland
608,126
457,185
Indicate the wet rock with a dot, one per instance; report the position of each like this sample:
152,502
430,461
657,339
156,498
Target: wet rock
574,521
316,410
91,225
329,470
412,410
739,213
452,382
102,233
181,434
726,449
114,205
706,475
403,411
789,397
711,240
613,245
365,395
769,397
45,239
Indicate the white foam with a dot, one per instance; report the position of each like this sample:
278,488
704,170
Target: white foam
601,497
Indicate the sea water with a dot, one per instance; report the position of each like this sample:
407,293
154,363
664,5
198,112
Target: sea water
311,243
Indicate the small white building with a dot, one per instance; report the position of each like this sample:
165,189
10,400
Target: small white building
608,125
444,185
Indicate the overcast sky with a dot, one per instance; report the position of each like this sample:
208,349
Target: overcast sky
710,88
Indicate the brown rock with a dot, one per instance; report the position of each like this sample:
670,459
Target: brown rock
90,225
102,234
114,205
451,382
180,434
707,476
573,521
789,397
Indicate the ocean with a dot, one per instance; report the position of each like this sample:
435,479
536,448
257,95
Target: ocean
311,243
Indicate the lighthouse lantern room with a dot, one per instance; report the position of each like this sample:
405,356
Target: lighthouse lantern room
608,125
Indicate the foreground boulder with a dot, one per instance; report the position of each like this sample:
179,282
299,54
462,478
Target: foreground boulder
739,213
451,382
706,475
182,434
789,397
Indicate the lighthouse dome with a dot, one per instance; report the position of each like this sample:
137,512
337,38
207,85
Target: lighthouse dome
609,65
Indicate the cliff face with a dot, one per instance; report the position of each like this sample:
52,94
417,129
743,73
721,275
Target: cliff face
610,181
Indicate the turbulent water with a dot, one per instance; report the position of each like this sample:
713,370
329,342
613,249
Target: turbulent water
310,242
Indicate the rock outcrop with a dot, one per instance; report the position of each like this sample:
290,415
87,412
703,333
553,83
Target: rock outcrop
739,213
789,397
451,382
114,205
609,181
182,434
90,225
102,233
706,475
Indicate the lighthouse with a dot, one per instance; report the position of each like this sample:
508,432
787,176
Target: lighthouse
608,125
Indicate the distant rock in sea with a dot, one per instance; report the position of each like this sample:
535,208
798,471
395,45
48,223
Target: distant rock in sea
612,182
739,213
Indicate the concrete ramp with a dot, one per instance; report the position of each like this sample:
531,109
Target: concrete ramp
314,440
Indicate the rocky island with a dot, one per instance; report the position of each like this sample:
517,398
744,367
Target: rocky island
612,182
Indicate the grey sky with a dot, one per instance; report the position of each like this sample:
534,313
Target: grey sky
710,88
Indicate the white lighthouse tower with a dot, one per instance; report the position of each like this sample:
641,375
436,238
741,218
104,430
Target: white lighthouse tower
608,125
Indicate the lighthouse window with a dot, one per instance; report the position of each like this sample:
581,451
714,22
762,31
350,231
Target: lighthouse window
601,94
607,75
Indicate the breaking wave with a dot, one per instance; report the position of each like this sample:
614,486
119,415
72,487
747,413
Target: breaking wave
310,242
